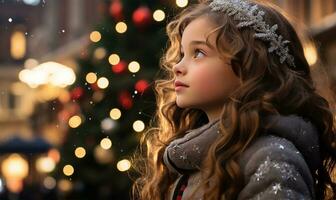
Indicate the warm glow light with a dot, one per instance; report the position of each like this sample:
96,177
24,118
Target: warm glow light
310,54
45,164
102,155
134,66
52,73
97,96
33,78
54,154
121,27
115,113
106,143
18,45
123,165
15,167
114,59
61,76
32,2
49,182
64,96
68,170
14,185
95,36
159,15
107,124
18,88
102,82
99,53
138,126
181,3
75,121
2,185
91,77
65,185
30,63
80,152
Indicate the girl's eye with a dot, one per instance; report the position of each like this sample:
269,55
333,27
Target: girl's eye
198,53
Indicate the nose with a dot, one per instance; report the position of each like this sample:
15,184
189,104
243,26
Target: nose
179,69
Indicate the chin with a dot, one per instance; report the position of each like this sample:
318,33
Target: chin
181,104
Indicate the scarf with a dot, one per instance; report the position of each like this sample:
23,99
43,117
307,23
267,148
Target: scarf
186,154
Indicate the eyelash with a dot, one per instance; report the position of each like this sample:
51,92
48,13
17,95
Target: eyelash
195,52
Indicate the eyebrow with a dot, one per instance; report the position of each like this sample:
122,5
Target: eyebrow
196,42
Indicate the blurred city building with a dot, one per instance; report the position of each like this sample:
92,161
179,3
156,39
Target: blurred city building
42,30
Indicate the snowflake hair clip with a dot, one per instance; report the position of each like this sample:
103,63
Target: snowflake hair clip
249,15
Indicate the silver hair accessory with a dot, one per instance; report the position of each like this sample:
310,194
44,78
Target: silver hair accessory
249,15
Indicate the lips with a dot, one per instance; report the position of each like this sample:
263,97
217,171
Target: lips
179,83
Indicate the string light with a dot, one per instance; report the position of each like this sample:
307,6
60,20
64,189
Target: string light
115,113
114,59
95,36
138,126
91,77
106,143
75,121
80,152
121,27
102,82
181,3
134,66
159,15
68,170
123,165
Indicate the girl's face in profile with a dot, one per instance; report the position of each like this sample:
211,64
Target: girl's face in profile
210,79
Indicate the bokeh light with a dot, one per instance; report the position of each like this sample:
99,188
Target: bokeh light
123,165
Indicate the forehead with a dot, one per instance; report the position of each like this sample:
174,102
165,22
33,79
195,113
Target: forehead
198,29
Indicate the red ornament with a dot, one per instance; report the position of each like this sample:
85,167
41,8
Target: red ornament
120,67
77,93
141,85
116,10
125,99
142,16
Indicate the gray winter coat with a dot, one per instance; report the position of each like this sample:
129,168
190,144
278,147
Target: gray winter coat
278,165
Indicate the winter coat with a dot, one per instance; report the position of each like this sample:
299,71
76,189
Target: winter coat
277,165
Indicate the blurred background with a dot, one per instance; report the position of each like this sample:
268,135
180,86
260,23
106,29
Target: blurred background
76,92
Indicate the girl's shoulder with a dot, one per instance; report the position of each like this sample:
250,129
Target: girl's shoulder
279,163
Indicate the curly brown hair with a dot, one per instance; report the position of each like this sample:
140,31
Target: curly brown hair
268,87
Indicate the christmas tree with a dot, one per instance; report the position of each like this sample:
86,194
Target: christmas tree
112,101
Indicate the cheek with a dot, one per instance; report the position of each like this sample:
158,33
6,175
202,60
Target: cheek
206,80
215,83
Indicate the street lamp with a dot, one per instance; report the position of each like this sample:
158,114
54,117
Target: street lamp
15,169
51,73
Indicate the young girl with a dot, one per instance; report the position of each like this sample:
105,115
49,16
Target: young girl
238,116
